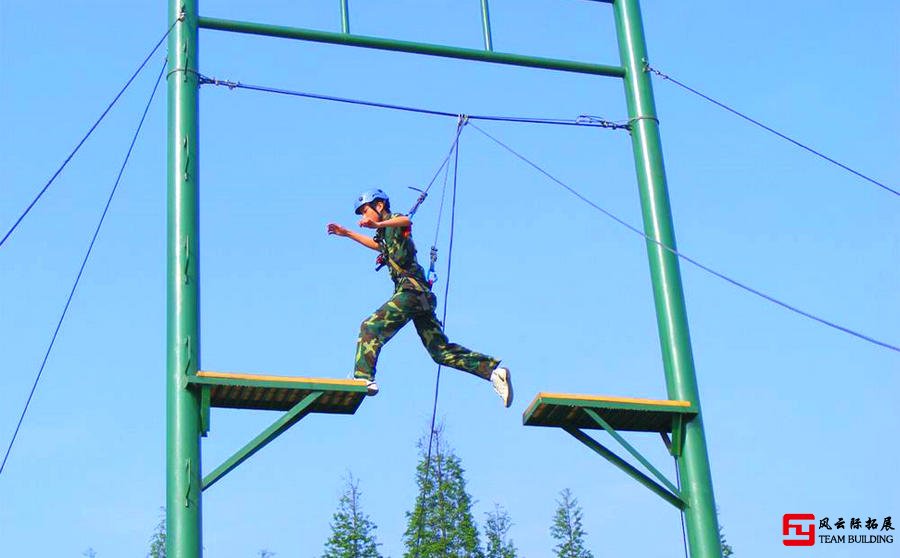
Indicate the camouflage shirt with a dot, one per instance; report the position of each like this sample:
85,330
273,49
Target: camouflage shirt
397,244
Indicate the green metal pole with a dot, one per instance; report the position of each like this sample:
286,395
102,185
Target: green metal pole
183,481
486,25
345,17
671,315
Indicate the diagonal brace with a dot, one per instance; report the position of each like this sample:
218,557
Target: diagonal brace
287,420
674,499
637,455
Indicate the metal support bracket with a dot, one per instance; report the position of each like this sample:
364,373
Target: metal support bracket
678,431
637,455
205,404
287,420
673,498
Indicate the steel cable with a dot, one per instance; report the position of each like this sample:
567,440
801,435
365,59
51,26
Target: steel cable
582,120
690,260
772,130
87,135
437,383
81,269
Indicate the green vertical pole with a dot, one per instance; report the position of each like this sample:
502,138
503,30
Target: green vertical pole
486,25
671,315
345,17
183,481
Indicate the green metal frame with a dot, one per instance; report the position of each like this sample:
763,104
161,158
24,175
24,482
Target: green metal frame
345,17
408,46
628,447
574,414
186,419
277,428
673,497
486,25
668,294
183,417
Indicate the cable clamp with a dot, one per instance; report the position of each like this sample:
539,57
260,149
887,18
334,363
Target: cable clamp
652,70
601,122
636,118
462,120
203,80
187,71
181,15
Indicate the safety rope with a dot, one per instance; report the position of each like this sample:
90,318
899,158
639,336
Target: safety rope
582,120
437,383
89,132
649,68
688,259
462,121
83,264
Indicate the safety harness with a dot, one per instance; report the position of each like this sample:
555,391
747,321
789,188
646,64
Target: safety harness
404,274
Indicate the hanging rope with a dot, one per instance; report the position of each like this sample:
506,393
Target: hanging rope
690,260
424,193
83,264
583,120
437,383
89,132
649,68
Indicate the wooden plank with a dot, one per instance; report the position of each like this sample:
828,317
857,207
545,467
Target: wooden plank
268,392
271,378
622,413
613,399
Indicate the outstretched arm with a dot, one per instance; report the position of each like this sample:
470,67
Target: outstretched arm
398,221
368,242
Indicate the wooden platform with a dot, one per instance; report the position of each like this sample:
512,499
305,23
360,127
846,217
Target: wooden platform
622,413
280,393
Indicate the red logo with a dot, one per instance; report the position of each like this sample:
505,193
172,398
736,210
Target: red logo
792,527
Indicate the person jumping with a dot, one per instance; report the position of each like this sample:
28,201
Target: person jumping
412,300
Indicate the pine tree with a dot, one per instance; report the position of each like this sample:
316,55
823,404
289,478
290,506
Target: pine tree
567,528
441,524
496,528
352,532
158,539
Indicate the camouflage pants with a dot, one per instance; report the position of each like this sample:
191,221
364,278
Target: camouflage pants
404,306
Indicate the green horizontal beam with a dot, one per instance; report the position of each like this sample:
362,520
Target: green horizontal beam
407,46
287,420
627,467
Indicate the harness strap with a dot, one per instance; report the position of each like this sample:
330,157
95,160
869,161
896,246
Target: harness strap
403,273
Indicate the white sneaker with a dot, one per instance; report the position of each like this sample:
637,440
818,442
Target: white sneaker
371,387
501,379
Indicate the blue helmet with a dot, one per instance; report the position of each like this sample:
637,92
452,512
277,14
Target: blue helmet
370,196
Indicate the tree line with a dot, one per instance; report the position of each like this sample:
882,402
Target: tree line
441,523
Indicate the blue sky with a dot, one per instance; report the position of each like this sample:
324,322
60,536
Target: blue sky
798,416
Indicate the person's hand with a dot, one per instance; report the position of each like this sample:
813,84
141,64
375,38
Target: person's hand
334,228
368,223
